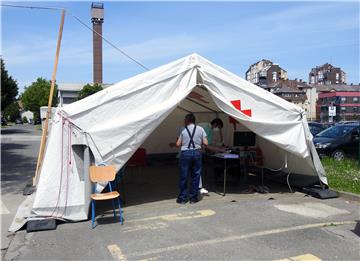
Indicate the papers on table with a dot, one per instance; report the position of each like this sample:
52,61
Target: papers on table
226,156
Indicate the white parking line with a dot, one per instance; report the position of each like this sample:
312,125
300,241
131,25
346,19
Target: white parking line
179,216
306,257
234,238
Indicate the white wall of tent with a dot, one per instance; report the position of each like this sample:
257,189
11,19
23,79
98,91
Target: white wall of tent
148,110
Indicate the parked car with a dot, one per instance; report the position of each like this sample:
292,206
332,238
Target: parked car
3,122
339,141
18,121
316,127
347,122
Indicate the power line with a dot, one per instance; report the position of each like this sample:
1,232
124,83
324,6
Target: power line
110,43
33,7
84,24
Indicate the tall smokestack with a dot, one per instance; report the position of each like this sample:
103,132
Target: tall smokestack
97,19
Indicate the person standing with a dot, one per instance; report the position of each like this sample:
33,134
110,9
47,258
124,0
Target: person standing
215,125
191,140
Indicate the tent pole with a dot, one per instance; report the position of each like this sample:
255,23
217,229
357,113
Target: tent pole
51,94
183,109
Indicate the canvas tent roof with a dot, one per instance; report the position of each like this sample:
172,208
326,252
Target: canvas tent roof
114,122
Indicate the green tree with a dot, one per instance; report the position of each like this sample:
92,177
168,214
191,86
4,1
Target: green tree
9,87
12,111
37,95
25,120
88,90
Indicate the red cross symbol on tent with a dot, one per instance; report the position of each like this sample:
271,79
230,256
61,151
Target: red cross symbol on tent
237,105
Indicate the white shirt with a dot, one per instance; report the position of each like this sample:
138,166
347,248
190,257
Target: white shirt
199,135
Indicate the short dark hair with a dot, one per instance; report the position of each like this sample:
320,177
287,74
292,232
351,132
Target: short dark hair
218,122
190,118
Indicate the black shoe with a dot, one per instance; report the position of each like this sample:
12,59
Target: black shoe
180,201
194,201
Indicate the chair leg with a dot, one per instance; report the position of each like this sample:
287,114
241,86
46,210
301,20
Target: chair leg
113,205
92,213
120,211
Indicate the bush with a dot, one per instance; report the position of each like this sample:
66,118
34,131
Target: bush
88,90
12,112
25,120
37,95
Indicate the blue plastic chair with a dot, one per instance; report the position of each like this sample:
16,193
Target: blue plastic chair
103,174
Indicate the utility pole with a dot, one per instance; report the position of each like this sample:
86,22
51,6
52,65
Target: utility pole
51,95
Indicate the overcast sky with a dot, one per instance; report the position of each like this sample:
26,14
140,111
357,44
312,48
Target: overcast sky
234,35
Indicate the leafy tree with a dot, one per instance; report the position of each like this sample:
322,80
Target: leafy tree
88,90
37,95
9,87
12,111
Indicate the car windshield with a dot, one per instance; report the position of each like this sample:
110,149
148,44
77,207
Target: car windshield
336,131
314,129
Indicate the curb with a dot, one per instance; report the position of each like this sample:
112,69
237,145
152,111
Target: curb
349,196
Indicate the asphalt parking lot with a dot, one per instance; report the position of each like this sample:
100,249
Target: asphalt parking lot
275,226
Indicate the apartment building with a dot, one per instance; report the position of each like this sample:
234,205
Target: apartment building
327,74
297,92
346,99
265,72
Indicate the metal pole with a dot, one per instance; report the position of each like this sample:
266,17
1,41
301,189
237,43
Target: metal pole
51,94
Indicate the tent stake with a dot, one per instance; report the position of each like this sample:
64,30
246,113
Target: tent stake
51,94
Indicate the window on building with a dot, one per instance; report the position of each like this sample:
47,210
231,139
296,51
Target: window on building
343,100
337,76
343,108
274,76
312,79
355,99
68,100
287,95
355,109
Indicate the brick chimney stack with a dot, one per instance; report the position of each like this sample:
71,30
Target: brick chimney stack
97,19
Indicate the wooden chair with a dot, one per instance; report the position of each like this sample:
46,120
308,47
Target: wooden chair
103,174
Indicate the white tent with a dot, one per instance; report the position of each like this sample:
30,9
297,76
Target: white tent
110,125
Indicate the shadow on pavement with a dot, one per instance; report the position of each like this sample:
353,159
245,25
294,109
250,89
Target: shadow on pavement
356,230
14,131
156,183
16,169
160,182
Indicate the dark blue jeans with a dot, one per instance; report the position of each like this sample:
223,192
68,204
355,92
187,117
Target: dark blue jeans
190,161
